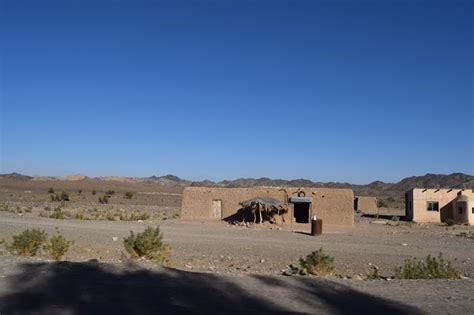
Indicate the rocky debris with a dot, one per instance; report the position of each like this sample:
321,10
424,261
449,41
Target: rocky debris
290,271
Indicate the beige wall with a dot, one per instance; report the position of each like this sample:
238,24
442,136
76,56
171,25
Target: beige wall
417,199
467,215
333,206
367,205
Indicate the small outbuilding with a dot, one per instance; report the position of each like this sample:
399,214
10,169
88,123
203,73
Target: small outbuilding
440,205
282,205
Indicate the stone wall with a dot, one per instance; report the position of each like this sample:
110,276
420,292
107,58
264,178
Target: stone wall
333,206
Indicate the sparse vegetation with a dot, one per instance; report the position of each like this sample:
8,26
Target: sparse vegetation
60,197
58,214
94,192
58,246
110,193
79,191
430,268
381,203
134,216
104,200
148,244
317,263
128,195
27,243
395,218
51,190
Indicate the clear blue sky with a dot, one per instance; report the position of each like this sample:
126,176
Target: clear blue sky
327,90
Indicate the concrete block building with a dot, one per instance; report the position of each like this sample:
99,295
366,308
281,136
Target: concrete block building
439,205
333,206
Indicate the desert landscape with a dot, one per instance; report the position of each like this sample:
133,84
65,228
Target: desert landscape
227,157
251,257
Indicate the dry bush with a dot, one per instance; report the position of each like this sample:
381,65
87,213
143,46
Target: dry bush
27,243
58,214
317,263
58,246
148,244
430,268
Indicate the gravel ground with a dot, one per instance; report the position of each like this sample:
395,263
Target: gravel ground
239,267
95,288
221,248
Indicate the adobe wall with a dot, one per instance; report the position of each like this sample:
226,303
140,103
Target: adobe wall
419,198
333,206
467,215
197,201
367,205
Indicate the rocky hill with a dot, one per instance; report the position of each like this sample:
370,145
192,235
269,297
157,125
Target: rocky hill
376,188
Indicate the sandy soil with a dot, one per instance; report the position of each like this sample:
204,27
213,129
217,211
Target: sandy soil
221,248
222,268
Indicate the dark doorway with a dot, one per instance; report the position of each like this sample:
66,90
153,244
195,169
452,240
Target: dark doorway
301,212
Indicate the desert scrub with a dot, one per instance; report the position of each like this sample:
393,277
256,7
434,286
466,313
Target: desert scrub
4,207
430,268
317,263
381,203
58,214
51,190
27,243
148,244
58,246
60,197
134,216
128,195
104,200
93,192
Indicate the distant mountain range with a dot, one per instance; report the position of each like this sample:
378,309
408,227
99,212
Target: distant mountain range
376,188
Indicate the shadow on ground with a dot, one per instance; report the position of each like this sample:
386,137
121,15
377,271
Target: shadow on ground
93,288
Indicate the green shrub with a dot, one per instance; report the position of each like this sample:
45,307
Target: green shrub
58,214
317,263
27,243
148,244
449,222
430,268
58,246
51,190
110,193
94,192
128,195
